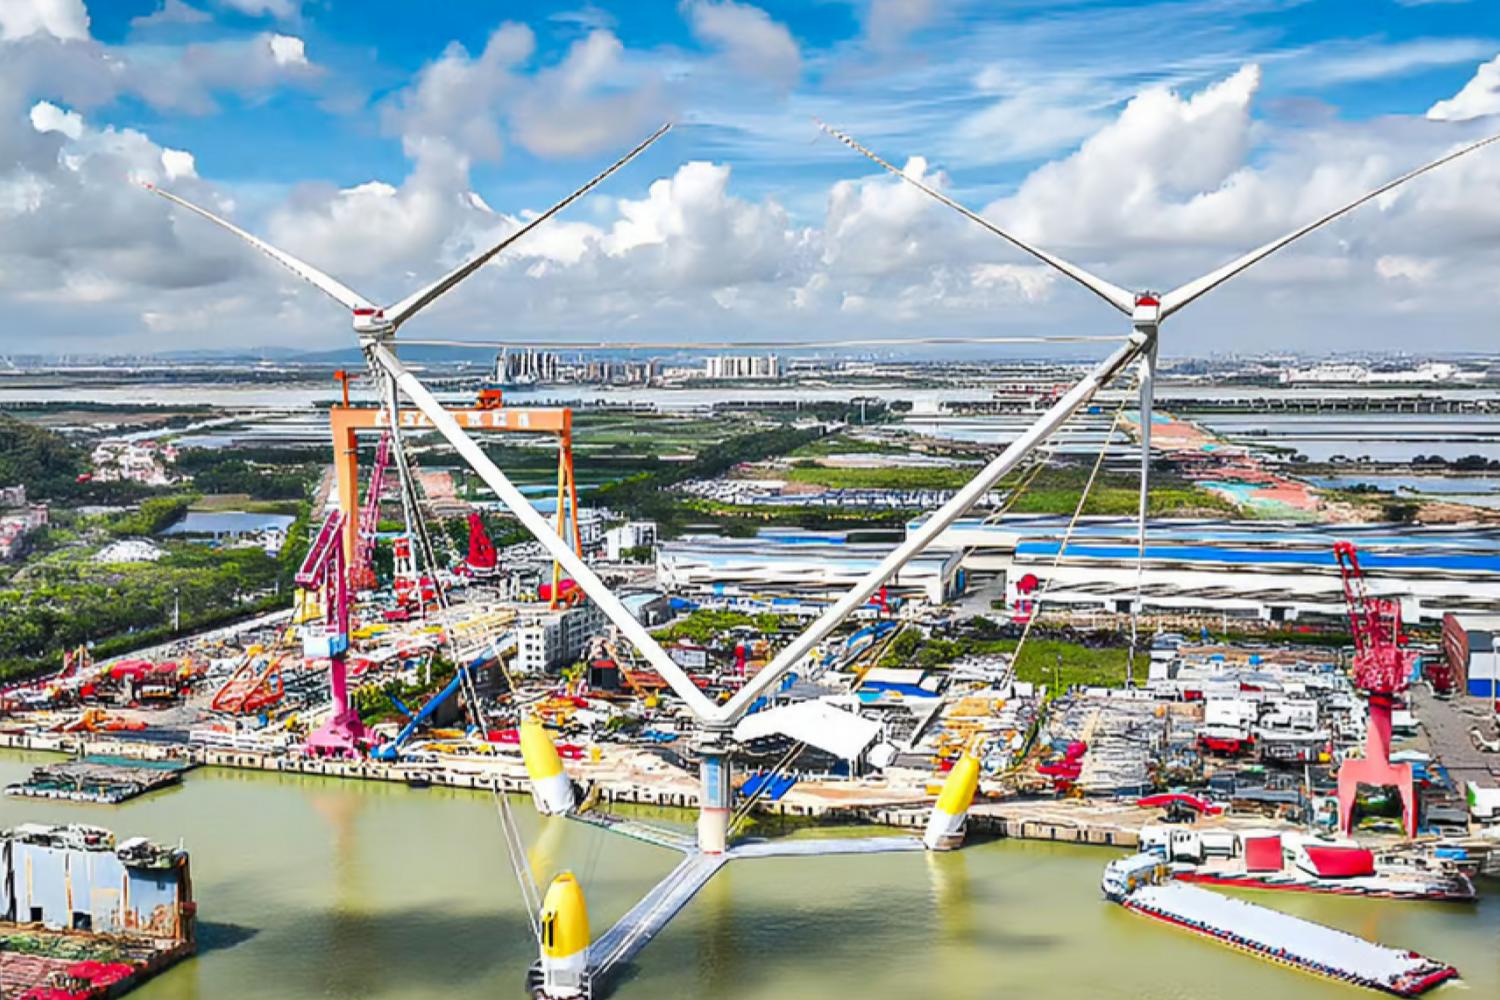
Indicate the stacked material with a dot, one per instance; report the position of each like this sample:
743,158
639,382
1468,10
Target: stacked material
1124,736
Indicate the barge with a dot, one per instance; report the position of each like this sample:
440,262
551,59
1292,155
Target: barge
1144,884
84,916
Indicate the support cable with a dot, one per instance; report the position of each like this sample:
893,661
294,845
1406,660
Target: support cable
510,831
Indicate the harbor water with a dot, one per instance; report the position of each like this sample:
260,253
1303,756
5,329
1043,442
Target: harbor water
316,888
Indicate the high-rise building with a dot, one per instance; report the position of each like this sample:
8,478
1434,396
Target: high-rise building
527,367
734,366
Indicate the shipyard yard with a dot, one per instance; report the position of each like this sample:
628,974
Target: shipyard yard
1244,702
760,573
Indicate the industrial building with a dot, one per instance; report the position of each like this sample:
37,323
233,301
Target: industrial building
550,640
1247,569
733,366
1471,645
814,565
630,535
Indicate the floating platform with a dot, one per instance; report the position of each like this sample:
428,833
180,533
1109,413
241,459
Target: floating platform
102,780
1287,940
632,932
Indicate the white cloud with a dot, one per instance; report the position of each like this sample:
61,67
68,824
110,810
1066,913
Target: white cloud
455,105
1337,63
178,163
48,117
1164,151
171,12
1480,96
889,22
281,10
594,99
64,19
754,44
1397,267
288,50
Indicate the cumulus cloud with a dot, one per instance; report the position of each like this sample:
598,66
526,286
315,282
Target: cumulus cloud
64,19
594,99
754,44
287,50
48,117
1160,189
455,105
1479,97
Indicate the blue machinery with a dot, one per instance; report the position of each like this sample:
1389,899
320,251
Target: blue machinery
391,752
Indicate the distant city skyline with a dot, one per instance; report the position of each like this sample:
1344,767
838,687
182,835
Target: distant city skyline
383,142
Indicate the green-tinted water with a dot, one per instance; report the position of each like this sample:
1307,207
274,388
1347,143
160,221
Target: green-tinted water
312,888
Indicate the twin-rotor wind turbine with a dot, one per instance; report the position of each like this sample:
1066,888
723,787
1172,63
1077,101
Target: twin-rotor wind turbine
1147,310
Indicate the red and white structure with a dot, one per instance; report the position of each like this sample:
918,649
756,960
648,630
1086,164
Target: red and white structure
1382,669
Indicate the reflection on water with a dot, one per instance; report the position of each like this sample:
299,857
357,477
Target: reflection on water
311,888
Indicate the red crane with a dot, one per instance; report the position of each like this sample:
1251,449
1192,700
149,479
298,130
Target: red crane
1382,668
482,560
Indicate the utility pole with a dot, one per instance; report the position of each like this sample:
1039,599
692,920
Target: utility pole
176,610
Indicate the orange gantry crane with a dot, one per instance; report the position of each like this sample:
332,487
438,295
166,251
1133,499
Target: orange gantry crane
488,414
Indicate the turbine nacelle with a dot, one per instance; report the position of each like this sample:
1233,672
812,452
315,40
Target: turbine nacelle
1146,313
372,323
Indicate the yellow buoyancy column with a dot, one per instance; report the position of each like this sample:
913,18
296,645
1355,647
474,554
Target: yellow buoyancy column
945,827
565,939
550,787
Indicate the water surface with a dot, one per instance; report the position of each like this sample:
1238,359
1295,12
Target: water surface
313,888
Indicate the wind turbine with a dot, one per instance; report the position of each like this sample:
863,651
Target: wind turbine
376,328
371,321
1149,309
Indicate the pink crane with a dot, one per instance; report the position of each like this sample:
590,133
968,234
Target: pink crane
362,573
323,570
1382,667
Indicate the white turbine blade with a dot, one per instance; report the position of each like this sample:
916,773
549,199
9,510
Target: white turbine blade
918,540
1179,297
1111,293
414,303
330,286
543,531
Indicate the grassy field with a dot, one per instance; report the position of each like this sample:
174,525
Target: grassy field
1053,491
1039,663
893,478
848,444
1080,664
243,501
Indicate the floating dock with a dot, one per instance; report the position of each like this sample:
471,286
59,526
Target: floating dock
1142,884
102,780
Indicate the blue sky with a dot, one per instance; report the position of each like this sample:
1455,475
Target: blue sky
385,140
